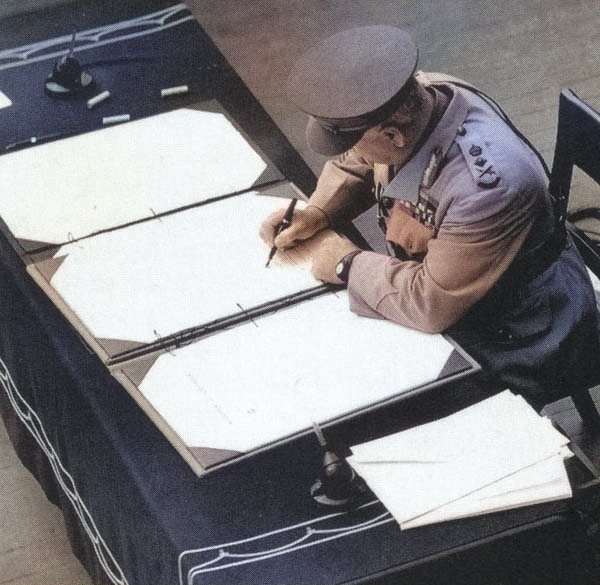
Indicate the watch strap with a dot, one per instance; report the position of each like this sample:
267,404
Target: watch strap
343,267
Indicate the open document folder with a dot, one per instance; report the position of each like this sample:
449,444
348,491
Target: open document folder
129,287
495,455
259,382
93,182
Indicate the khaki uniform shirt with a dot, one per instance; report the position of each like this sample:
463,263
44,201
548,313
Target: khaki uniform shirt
480,200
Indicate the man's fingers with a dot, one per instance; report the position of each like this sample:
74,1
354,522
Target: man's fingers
288,238
305,223
269,227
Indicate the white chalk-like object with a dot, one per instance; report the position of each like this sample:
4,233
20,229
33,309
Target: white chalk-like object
92,102
116,119
169,91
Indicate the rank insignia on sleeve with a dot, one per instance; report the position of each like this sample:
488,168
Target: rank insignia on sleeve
478,160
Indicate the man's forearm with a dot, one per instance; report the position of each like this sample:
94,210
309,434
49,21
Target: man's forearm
344,190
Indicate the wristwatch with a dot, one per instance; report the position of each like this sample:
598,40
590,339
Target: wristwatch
342,269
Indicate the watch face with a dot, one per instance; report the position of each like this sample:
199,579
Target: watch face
339,268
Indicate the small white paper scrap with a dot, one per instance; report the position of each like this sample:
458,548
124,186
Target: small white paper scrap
4,101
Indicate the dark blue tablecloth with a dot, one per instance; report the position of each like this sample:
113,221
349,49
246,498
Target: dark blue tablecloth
159,45
136,511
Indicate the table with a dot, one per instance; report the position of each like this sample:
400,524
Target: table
146,240
135,510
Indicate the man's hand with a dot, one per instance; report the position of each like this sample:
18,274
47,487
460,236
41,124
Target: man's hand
305,224
326,249
404,230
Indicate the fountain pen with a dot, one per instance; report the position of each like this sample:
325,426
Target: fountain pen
285,223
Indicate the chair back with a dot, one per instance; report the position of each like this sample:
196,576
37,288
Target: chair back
577,144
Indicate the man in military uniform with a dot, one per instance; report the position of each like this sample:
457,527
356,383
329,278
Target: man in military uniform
474,247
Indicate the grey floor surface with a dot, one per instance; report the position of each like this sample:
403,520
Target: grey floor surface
521,52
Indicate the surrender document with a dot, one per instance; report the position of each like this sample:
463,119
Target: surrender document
157,262
158,277
68,189
270,378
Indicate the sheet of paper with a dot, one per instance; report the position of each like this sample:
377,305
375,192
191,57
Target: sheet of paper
80,185
263,381
452,437
159,277
544,481
423,469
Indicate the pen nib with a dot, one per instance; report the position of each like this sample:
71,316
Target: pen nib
271,255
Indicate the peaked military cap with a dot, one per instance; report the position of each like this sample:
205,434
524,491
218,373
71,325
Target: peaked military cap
351,82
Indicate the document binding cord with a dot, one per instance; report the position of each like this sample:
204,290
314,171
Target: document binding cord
193,334
71,239
246,313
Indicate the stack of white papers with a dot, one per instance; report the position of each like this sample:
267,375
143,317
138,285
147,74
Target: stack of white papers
495,455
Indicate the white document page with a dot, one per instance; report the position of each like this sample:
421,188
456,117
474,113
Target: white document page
541,482
264,380
503,418
70,188
161,276
422,469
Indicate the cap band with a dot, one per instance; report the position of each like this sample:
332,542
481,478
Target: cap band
336,129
